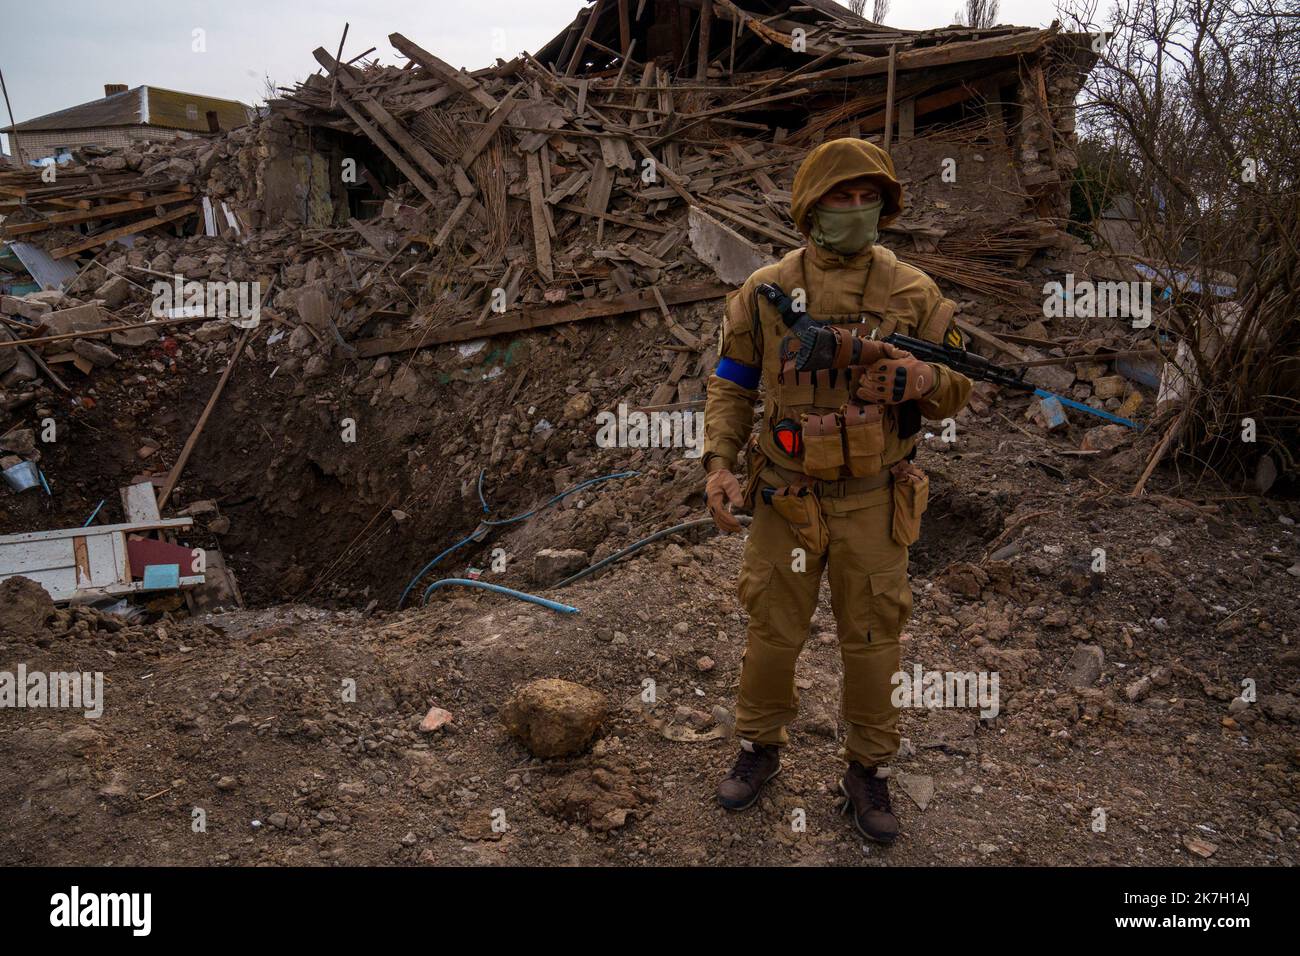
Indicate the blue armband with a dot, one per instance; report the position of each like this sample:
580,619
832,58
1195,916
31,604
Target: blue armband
746,376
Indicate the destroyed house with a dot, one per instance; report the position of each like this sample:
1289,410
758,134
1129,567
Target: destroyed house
533,168
853,76
124,117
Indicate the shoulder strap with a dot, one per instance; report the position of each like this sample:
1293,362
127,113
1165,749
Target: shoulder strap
880,283
935,327
790,274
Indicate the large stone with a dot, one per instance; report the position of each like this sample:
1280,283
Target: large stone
20,441
1105,437
28,309
212,331
578,407
25,607
134,338
1089,371
114,292
300,339
554,564
82,318
554,718
1110,386
1054,378
22,370
1086,665
100,356
317,366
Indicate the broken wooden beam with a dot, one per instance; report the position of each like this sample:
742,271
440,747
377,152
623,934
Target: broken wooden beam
528,319
95,212
385,119
461,81
388,149
541,229
174,475
498,116
129,229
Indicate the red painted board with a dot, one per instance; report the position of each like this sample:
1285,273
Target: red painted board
146,551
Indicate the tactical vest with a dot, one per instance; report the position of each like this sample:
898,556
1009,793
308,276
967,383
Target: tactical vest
840,439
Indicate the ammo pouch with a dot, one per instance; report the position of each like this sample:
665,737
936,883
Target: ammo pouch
755,462
911,489
823,450
864,438
801,509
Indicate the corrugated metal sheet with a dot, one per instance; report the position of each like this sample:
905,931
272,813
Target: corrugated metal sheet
50,273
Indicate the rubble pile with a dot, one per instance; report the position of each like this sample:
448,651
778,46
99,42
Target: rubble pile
381,213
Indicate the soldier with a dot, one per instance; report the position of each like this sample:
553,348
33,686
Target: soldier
830,483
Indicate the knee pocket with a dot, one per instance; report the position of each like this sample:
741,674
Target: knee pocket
754,585
891,603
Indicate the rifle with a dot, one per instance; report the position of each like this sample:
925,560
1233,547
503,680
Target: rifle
818,347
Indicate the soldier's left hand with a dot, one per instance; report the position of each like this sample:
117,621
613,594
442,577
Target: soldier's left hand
901,377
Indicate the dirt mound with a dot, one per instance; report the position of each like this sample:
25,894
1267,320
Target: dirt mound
25,608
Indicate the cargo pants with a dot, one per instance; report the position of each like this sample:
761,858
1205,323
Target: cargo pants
871,599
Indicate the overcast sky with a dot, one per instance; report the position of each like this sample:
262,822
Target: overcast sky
57,54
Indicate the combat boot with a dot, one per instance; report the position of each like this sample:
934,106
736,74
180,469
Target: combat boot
756,765
868,800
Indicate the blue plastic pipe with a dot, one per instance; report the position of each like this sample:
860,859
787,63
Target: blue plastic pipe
95,512
1100,413
511,592
482,529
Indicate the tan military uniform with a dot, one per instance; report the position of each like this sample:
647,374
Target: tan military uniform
864,511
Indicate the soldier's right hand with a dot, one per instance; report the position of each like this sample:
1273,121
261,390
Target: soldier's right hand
721,489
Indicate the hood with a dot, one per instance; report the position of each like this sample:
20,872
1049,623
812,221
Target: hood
839,161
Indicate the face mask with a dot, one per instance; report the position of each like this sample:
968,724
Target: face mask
846,231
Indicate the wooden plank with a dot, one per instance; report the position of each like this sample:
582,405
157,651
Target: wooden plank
174,475
527,319
760,176
499,116
162,524
668,387
624,30
129,229
988,338
86,333
89,215
385,119
388,149
706,27
139,503
590,25
1039,87
541,232
461,81
602,183
906,119
461,208
679,333
943,55
643,224
669,176
889,97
